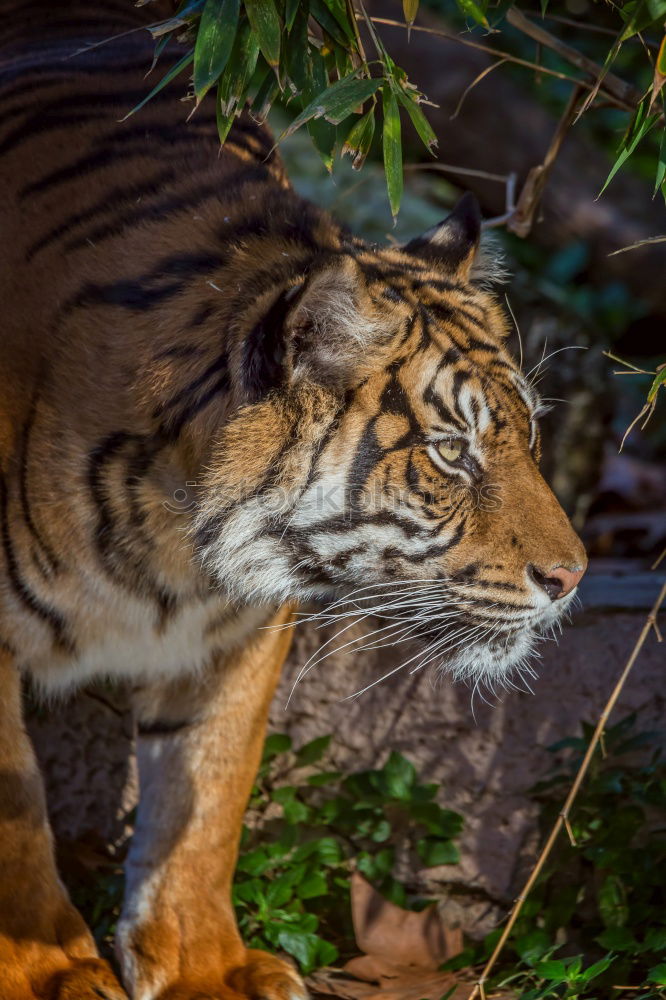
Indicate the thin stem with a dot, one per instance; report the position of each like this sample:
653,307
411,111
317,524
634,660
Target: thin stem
452,37
571,797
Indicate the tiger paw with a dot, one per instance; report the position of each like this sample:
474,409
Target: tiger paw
44,972
261,977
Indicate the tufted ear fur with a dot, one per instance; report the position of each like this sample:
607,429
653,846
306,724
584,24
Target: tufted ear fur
320,328
454,245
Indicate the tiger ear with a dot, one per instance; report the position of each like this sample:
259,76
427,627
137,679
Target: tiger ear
331,324
319,328
453,243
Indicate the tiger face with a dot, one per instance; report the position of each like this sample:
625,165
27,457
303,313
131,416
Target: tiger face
388,459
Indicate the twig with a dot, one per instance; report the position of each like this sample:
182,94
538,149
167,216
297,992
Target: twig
575,788
472,85
509,181
522,218
623,92
500,53
451,168
640,243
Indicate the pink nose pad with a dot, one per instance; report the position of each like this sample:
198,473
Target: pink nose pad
567,578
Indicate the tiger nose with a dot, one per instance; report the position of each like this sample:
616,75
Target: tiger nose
558,581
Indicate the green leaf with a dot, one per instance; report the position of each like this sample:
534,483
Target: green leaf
359,139
335,103
268,90
304,947
657,974
324,778
644,15
215,40
166,79
291,10
382,832
398,774
636,133
471,9
392,149
533,945
313,751
419,121
659,379
311,886
275,744
596,969
326,953
437,852
553,970
612,902
321,11
616,939
655,940
265,22
235,80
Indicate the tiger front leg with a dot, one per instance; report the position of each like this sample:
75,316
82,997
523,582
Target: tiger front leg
46,951
199,746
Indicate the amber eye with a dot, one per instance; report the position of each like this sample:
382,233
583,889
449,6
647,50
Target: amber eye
451,451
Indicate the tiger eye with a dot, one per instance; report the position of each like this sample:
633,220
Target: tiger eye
450,450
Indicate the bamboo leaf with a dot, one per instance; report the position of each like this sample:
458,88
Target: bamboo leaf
359,139
323,134
471,9
660,379
335,103
215,40
166,79
641,125
339,11
419,121
410,10
661,163
392,148
235,80
266,93
659,78
265,22
645,14
323,16
661,57
290,12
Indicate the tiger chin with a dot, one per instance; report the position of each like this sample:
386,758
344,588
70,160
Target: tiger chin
216,404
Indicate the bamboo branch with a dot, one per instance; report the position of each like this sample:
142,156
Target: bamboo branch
623,92
509,57
563,818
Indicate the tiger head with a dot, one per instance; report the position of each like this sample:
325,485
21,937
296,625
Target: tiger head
385,457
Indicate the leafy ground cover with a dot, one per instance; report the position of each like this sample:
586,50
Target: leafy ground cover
593,928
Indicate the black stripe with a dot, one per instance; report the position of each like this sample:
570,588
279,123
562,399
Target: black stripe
107,203
42,544
162,727
39,126
114,152
47,614
144,293
265,349
223,187
432,398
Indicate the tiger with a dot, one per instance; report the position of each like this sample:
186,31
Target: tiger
218,404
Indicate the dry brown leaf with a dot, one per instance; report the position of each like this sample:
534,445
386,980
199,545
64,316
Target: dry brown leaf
404,983
403,937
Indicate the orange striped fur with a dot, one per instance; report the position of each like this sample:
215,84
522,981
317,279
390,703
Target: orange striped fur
215,402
